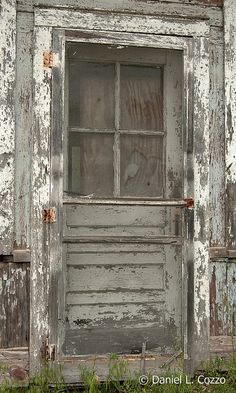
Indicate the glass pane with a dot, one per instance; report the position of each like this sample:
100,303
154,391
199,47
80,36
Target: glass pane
141,166
91,95
90,158
141,101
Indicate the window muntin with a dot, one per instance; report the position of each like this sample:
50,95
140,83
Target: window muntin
119,106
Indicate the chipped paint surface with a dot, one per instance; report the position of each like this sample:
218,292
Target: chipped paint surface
14,304
201,199
230,118
40,196
120,22
23,138
217,140
7,125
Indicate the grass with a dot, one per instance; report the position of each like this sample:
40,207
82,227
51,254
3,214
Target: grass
221,370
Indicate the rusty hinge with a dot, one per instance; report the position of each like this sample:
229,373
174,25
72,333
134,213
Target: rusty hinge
48,351
49,215
189,203
48,59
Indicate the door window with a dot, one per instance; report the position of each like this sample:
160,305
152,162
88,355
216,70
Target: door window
115,141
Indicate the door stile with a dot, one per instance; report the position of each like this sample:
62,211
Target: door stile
117,134
56,292
188,214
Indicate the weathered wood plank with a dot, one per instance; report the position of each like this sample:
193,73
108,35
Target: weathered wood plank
114,258
14,304
56,280
7,122
23,139
115,297
222,345
230,119
173,119
110,277
40,197
222,298
217,141
125,22
160,338
115,315
198,285
194,9
121,221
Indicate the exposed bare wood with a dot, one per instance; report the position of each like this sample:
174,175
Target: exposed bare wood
223,344
125,22
217,141
230,119
69,199
14,304
40,198
126,239
189,8
7,122
197,270
23,139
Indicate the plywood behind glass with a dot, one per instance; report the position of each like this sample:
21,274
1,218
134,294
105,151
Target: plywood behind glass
115,133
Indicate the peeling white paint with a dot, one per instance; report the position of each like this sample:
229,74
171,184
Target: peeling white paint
40,196
7,125
125,22
230,88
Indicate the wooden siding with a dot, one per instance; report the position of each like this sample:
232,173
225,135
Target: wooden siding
223,298
7,122
23,138
14,304
217,140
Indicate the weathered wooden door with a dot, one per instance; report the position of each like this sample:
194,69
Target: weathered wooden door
123,200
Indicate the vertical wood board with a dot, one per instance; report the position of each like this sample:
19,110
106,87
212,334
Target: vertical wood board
23,138
222,298
14,304
40,197
200,281
230,118
7,122
217,140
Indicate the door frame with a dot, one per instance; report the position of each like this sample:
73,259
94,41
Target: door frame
47,165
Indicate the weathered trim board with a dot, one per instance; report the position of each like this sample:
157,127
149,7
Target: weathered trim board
122,22
7,122
230,120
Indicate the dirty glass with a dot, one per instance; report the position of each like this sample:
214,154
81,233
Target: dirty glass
91,164
91,95
141,102
141,165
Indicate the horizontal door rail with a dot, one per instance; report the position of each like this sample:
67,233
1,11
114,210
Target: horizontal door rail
124,239
80,200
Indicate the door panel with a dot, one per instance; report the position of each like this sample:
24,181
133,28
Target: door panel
123,262
123,290
115,220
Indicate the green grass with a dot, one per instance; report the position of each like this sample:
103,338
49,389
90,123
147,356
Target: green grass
51,380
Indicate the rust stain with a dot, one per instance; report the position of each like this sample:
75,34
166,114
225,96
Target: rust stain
48,59
189,202
49,215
